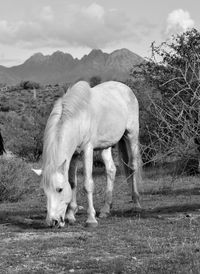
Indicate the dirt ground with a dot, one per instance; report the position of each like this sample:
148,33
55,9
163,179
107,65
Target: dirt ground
163,238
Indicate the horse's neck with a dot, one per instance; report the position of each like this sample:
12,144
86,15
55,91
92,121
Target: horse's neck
68,142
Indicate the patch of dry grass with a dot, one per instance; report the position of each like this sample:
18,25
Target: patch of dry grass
15,179
163,238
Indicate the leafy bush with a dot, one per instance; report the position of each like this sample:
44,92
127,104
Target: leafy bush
23,134
145,94
174,70
29,85
23,123
14,179
94,81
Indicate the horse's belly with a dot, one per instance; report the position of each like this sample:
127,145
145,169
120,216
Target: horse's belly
109,131
104,142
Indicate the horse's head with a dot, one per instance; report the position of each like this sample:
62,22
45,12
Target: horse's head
59,194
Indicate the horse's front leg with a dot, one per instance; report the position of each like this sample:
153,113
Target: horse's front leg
72,207
89,185
110,173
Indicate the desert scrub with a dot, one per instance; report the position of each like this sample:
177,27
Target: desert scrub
14,179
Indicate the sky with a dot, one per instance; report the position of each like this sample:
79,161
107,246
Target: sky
77,26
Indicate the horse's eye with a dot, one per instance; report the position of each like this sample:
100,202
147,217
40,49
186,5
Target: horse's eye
58,189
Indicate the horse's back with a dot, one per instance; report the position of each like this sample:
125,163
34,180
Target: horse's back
114,97
115,91
114,109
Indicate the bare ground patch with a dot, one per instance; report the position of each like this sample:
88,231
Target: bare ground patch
163,238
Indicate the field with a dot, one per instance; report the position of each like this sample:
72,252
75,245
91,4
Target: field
163,238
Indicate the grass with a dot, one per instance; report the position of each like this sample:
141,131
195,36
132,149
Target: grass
15,179
163,238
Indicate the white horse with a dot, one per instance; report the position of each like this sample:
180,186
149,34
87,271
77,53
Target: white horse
85,119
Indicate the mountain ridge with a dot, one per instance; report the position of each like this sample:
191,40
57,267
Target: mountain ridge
60,67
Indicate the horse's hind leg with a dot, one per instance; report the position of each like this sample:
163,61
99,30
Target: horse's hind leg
72,207
133,168
110,172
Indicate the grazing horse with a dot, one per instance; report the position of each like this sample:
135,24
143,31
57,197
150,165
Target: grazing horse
2,150
85,119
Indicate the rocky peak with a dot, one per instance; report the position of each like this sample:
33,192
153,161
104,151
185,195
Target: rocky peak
123,58
36,58
94,55
62,67
61,58
59,55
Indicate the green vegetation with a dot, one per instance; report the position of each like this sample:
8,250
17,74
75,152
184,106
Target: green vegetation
168,90
15,179
23,116
173,78
164,237
95,80
29,85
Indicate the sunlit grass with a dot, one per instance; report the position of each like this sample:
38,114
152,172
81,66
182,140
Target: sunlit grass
163,238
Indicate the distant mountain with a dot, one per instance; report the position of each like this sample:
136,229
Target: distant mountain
62,67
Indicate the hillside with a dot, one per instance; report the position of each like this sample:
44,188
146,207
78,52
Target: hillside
62,67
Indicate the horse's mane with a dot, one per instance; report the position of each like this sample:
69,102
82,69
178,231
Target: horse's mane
66,108
75,100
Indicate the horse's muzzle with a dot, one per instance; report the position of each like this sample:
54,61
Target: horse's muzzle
56,223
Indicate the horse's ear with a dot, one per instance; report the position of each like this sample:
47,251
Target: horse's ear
62,168
37,171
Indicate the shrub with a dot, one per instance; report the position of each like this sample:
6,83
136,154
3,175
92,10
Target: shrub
23,116
145,94
18,134
14,179
23,133
29,85
94,81
174,71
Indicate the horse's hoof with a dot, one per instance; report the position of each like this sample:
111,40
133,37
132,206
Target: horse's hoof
61,225
91,225
71,221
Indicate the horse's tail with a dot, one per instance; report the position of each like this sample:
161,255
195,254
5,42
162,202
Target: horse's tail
125,164
123,155
2,149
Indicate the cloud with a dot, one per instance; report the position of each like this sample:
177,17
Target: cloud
145,27
90,26
9,61
94,11
47,13
178,21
